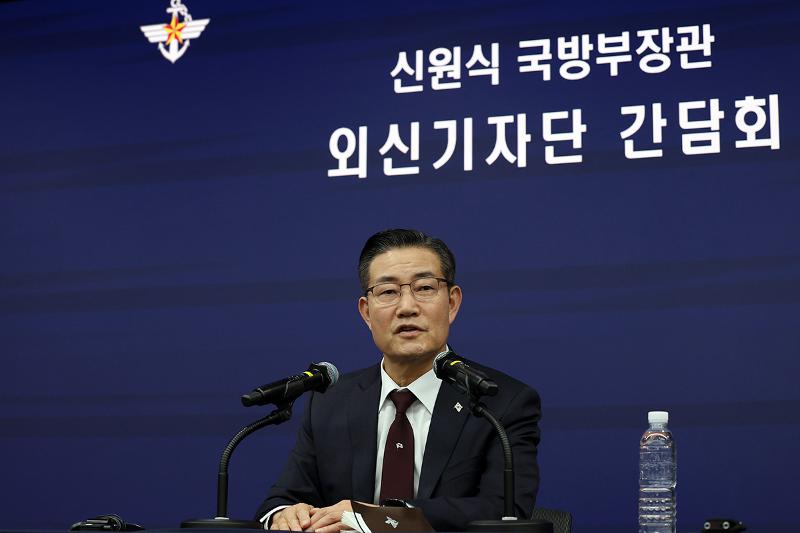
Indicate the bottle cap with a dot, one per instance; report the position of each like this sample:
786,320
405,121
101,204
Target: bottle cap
657,417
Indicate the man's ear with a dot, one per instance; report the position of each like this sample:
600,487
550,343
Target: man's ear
454,302
363,310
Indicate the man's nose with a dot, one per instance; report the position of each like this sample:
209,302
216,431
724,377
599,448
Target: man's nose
407,305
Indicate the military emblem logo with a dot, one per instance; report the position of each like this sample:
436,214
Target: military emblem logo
174,38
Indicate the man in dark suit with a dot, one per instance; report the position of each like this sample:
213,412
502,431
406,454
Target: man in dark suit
394,430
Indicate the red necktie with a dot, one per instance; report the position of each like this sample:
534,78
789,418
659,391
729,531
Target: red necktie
397,479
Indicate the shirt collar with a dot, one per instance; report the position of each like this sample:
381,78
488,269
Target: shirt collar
425,387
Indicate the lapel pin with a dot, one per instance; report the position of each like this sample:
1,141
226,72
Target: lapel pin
458,407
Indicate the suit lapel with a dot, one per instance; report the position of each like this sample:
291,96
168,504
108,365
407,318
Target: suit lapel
362,414
445,429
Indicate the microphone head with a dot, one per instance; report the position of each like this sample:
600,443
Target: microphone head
457,371
440,360
328,370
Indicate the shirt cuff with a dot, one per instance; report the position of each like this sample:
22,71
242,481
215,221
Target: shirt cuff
267,518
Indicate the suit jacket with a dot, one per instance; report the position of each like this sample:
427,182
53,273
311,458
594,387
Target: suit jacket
462,470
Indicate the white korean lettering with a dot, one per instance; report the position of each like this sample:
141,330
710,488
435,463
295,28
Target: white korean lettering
350,148
393,140
575,135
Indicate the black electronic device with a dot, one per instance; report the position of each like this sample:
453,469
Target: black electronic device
457,371
474,384
318,377
723,525
282,393
106,522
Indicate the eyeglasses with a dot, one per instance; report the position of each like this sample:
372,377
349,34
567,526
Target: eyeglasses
423,290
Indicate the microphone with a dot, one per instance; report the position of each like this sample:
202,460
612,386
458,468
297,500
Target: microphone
318,377
473,383
282,393
456,370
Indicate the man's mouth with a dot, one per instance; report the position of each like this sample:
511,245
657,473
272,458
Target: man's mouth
408,330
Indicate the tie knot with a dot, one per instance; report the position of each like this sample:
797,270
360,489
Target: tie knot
402,399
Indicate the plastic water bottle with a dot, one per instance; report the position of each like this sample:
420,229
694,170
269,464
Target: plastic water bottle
657,476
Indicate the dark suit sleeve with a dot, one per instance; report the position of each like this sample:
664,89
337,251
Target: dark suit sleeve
299,482
520,419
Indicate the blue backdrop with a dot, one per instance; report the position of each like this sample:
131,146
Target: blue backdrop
171,237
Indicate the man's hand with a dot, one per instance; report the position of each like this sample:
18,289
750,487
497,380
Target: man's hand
294,518
329,519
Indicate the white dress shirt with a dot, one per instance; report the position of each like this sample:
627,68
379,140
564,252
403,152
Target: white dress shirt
425,388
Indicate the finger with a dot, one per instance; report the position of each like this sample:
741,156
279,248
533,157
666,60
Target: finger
331,528
303,517
294,524
326,519
318,515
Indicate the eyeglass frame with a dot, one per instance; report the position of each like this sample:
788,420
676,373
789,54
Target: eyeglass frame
401,285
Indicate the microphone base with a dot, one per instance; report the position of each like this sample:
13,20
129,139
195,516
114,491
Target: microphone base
220,522
516,526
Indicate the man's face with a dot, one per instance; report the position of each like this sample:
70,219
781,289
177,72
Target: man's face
409,328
